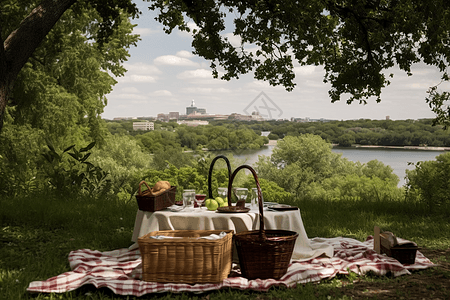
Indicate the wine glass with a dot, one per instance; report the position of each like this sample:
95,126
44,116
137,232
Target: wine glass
199,199
254,198
223,192
188,199
241,194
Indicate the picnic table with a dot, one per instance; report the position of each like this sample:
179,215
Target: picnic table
203,219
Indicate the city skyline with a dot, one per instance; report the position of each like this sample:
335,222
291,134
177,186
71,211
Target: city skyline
163,75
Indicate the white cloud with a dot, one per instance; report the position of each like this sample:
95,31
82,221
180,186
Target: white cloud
304,70
197,90
173,60
195,74
162,93
184,54
192,26
130,90
233,39
137,78
224,91
144,31
141,68
132,97
210,91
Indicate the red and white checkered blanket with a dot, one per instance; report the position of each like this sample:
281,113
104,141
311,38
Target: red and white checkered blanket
120,270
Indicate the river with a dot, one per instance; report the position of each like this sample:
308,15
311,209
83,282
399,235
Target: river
396,158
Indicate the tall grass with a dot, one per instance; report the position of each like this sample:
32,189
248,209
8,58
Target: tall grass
38,232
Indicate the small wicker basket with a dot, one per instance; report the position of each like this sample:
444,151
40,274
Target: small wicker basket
149,202
263,254
186,259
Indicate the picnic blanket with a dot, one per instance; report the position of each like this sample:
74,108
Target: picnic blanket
120,270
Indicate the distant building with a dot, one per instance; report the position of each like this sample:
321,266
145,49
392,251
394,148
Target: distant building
201,111
191,109
256,116
143,125
194,109
236,116
162,117
193,123
174,115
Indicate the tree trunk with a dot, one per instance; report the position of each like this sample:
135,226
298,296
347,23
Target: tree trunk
23,41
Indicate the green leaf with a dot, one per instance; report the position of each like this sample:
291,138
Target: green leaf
88,147
85,157
67,149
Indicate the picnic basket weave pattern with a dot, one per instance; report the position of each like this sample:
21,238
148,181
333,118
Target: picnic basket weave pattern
186,259
149,202
263,254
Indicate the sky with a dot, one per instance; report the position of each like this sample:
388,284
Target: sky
164,76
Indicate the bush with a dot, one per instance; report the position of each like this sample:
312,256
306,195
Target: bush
429,183
354,188
125,161
271,191
70,172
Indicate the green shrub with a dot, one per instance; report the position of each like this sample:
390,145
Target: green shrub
271,191
124,160
70,172
354,188
429,183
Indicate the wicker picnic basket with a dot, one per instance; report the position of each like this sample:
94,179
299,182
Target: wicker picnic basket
148,202
263,253
211,167
186,259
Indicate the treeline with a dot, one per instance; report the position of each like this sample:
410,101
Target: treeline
363,132
369,132
168,136
232,134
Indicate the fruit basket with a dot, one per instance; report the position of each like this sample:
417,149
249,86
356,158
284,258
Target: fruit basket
263,253
185,258
148,202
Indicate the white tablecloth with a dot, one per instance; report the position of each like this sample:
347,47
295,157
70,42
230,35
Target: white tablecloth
209,220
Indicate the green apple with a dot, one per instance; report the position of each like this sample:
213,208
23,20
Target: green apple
211,204
219,200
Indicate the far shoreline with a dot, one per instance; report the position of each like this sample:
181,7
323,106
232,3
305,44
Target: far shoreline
357,146
422,148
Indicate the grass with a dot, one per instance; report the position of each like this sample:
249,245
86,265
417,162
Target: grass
37,233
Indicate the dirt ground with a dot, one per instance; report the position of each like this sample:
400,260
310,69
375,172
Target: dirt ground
432,283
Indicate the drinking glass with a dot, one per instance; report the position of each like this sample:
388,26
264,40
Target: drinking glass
241,194
199,199
223,192
254,198
188,199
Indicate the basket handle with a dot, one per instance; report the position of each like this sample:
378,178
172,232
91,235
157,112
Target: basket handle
260,199
211,169
139,190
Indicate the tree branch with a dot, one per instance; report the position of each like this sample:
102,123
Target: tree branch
22,42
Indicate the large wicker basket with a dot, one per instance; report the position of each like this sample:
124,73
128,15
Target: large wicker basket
149,202
263,254
186,259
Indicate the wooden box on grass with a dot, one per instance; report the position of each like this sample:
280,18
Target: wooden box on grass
185,258
402,250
